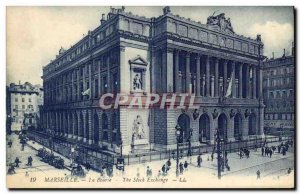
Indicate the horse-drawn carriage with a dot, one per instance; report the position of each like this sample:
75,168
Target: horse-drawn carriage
57,162
78,171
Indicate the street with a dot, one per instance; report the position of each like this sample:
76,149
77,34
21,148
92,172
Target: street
274,169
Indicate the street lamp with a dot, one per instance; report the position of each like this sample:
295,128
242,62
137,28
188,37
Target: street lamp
218,140
51,133
177,133
189,141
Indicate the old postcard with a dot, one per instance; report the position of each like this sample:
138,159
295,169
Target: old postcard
150,97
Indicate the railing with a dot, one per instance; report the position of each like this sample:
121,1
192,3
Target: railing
196,150
96,158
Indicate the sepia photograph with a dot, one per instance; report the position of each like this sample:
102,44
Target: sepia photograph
150,97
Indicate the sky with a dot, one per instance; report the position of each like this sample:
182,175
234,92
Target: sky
34,35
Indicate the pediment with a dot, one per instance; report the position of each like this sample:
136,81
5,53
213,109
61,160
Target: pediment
138,60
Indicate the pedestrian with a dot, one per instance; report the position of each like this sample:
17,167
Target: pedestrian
163,169
169,163
279,149
258,174
29,163
23,146
199,161
17,161
181,168
138,172
289,171
212,157
26,174
148,171
241,154
185,165
270,153
159,174
262,151
88,166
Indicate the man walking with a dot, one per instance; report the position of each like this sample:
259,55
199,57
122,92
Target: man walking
199,161
258,174
29,163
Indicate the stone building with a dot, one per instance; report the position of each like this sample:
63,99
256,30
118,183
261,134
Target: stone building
24,101
166,54
279,93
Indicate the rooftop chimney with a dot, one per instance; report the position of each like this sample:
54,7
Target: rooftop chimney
292,48
102,19
273,54
283,52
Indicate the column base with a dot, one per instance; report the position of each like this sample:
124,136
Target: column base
231,139
74,136
69,135
79,138
245,138
90,141
84,139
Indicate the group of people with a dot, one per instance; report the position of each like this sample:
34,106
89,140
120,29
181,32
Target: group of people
244,152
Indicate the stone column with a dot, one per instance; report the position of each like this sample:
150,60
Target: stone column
169,72
90,81
122,67
225,77
164,71
108,73
188,73
177,89
233,80
241,80
217,77
254,81
198,76
207,77
78,84
247,78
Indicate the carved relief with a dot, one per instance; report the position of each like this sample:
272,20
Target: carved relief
193,33
251,48
245,47
137,28
203,36
221,41
237,45
182,30
229,43
220,22
213,39
215,114
196,114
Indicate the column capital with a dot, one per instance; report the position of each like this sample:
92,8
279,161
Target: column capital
122,48
176,51
168,50
188,54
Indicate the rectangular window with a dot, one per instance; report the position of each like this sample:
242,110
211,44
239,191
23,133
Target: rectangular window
23,99
29,99
104,85
23,107
16,99
96,94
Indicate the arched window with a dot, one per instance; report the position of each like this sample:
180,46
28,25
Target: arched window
105,126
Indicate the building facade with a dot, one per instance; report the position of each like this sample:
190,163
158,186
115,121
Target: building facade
24,102
132,55
279,93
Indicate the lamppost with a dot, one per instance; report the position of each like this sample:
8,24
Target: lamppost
177,133
281,131
190,145
51,133
218,140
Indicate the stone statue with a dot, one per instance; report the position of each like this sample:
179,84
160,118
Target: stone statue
138,129
137,82
221,22
166,10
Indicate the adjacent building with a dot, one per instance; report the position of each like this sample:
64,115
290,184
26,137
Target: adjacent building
166,54
279,93
23,105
